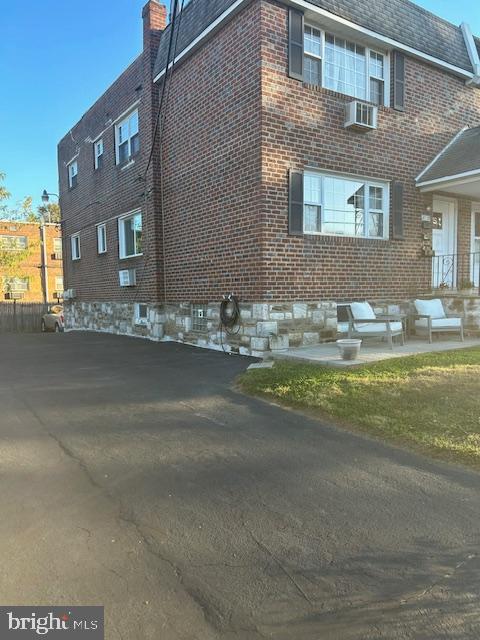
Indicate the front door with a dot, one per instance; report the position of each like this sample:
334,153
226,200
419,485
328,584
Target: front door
475,261
444,237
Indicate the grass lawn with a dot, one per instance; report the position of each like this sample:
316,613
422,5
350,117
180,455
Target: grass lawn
430,402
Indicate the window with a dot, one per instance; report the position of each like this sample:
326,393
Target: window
335,205
72,174
199,317
313,56
141,313
102,238
13,243
57,248
13,284
130,235
75,244
338,64
98,153
59,284
127,138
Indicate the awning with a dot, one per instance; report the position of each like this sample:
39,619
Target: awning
456,169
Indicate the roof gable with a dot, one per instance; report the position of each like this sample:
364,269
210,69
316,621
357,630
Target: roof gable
460,156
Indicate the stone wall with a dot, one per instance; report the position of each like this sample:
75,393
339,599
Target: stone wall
264,327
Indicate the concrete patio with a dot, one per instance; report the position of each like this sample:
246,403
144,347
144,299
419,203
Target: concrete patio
372,351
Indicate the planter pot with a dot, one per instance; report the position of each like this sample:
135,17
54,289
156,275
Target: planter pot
349,348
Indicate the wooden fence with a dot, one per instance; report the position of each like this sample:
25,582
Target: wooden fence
21,317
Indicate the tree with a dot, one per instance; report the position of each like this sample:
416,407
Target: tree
51,212
11,262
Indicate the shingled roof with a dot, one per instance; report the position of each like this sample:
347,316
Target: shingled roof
400,20
460,156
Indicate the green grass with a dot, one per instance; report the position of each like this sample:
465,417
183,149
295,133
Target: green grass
430,402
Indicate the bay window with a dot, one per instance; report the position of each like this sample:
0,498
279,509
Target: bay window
335,205
338,64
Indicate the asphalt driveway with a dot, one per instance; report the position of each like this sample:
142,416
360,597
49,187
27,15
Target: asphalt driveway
135,477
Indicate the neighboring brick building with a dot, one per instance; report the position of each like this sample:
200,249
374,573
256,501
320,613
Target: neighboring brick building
268,182
21,264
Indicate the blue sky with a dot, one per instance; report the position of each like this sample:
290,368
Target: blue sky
57,57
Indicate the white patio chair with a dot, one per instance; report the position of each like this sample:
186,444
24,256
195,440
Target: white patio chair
363,323
431,318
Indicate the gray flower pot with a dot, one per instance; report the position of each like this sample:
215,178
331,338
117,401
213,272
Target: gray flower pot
349,348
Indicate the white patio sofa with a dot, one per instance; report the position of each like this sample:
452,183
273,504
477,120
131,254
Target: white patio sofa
431,318
363,323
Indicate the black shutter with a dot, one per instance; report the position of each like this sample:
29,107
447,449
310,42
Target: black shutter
398,81
397,210
295,44
295,203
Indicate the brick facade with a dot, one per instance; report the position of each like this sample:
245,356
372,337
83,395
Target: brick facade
30,263
234,125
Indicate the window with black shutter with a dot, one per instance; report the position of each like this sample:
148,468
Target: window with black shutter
398,81
397,210
295,44
295,204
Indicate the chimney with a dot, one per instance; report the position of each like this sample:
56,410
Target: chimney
154,17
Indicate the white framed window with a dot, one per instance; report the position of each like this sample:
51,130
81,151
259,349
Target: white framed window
127,140
58,248
14,284
344,66
141,313
130,235
75,246
72,174
345,206
59,284
98,153
102,238
13,243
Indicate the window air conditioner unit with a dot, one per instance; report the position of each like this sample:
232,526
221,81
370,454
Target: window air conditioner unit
127,277
56,256
361,116
14,295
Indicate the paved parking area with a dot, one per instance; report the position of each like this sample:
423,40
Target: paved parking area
134,476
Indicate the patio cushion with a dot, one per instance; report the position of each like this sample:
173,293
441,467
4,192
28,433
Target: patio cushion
381,327
437,323
362,311
433,308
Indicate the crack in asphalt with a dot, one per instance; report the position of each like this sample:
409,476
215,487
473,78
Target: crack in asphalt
446,576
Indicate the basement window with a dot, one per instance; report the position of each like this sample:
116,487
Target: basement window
141,313
199,317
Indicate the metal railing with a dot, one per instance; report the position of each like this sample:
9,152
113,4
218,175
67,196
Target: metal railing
456,271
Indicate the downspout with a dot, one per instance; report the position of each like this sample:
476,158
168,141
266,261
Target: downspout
472,54
43,247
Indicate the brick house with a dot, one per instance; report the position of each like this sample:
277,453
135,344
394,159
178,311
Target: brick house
21,261
309,155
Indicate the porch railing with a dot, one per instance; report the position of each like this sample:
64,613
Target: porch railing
456,271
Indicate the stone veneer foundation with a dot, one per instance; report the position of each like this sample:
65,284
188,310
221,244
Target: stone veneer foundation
264,326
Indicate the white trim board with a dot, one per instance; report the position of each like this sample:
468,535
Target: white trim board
332,18
460,178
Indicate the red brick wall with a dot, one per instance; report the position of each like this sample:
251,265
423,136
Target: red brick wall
104,194
303,126
30,264
211,155
235,125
